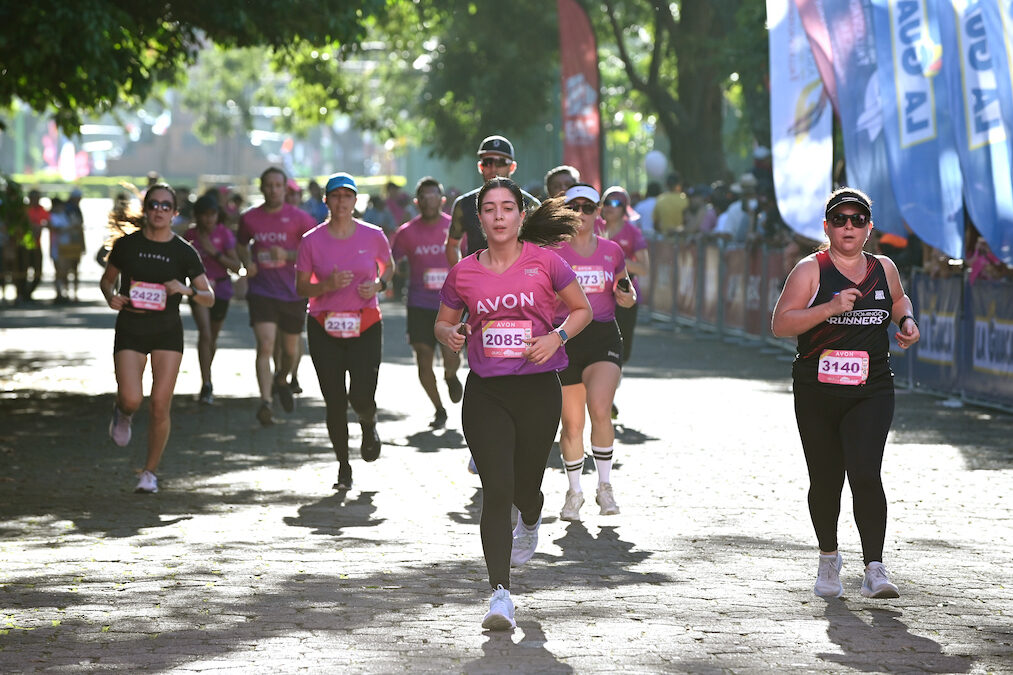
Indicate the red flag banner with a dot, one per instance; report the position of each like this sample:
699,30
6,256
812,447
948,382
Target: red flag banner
579,71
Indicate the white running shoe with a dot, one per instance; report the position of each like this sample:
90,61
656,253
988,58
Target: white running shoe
606,500
525,542
571,507
119,427
876,584
148,483
828,576
501,611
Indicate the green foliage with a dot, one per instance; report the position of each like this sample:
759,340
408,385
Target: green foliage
89,56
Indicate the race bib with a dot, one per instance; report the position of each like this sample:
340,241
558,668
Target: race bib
837,366
590,278
505,339
343,324
265,259
433,278
144,295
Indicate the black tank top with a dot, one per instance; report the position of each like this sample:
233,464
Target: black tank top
864,328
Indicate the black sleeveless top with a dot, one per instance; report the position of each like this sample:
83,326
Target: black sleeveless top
864,328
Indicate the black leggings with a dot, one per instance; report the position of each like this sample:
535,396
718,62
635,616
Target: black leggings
332,358
510,423
845,435
626,319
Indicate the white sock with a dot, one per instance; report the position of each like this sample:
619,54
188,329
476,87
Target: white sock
573,470
602,462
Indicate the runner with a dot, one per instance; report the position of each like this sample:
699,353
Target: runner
420,242
512,397
591,378
216,245
343,263
152,265
615,225
559,179
275,229
839,303
495,159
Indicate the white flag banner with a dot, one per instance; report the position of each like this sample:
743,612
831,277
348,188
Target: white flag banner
801,121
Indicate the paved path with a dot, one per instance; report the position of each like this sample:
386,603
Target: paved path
248,560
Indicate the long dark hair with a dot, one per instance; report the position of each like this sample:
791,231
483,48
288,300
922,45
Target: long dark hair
549,224
123,222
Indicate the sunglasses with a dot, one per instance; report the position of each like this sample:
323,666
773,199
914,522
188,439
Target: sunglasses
586,207
159,206
857,219
495,161
614,202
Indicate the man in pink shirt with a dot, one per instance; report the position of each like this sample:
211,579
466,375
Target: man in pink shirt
267,242
420,241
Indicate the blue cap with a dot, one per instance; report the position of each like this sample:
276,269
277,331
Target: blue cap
340,180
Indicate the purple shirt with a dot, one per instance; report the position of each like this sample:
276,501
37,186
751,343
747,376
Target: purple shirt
596,274
504,309
630,240
284,228
222,240
423,245
366,254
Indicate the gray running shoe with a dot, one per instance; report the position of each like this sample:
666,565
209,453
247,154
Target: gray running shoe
606,500
828,577
525,542
571,507
876,584
501,611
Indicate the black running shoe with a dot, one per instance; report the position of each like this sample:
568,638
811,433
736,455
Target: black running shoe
293,384
440,420
285,396
264,414
370,449
344,477
207,396
455,389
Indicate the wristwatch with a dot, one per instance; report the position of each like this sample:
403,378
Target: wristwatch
562,335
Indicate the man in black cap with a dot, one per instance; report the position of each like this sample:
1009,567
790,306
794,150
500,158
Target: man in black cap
495,160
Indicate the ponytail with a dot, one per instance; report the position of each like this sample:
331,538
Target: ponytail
550,223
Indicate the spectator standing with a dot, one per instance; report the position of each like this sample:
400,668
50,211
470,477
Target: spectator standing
669,209
645,207
314,204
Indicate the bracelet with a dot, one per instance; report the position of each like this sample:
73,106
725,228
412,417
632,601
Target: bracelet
900,324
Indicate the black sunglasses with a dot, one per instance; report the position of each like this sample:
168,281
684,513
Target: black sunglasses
614,202
586,207
159,206
495,161
841,219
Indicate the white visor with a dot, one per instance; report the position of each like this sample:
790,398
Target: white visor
585,191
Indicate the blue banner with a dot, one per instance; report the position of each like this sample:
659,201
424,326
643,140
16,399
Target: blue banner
937,305
860,108
982,140
987,371
924,167
998,21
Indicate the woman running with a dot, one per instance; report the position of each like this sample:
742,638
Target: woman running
512,396
216,245
341,266
591,378
839,302
152,264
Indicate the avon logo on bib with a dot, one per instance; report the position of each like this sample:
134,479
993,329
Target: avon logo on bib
842,366
505,339
591,278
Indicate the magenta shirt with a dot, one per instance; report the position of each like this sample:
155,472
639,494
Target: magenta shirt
596,274
284,228
366,254
503,309
222,239
630,240
424,246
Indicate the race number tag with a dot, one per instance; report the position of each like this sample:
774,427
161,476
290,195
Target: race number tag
505,339
265,259
837,366
433,278
343,324
590,278
144,295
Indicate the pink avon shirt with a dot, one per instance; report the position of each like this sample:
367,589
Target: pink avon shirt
423,245
365,253
596,274
630,240
222,240
284,228
505,309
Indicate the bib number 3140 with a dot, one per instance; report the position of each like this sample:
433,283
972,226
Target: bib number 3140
505,339
841,366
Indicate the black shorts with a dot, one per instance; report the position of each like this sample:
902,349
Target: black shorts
218,311
289,316
600,341
420,323
170,340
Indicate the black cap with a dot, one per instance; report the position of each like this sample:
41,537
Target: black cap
846,196
496,145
